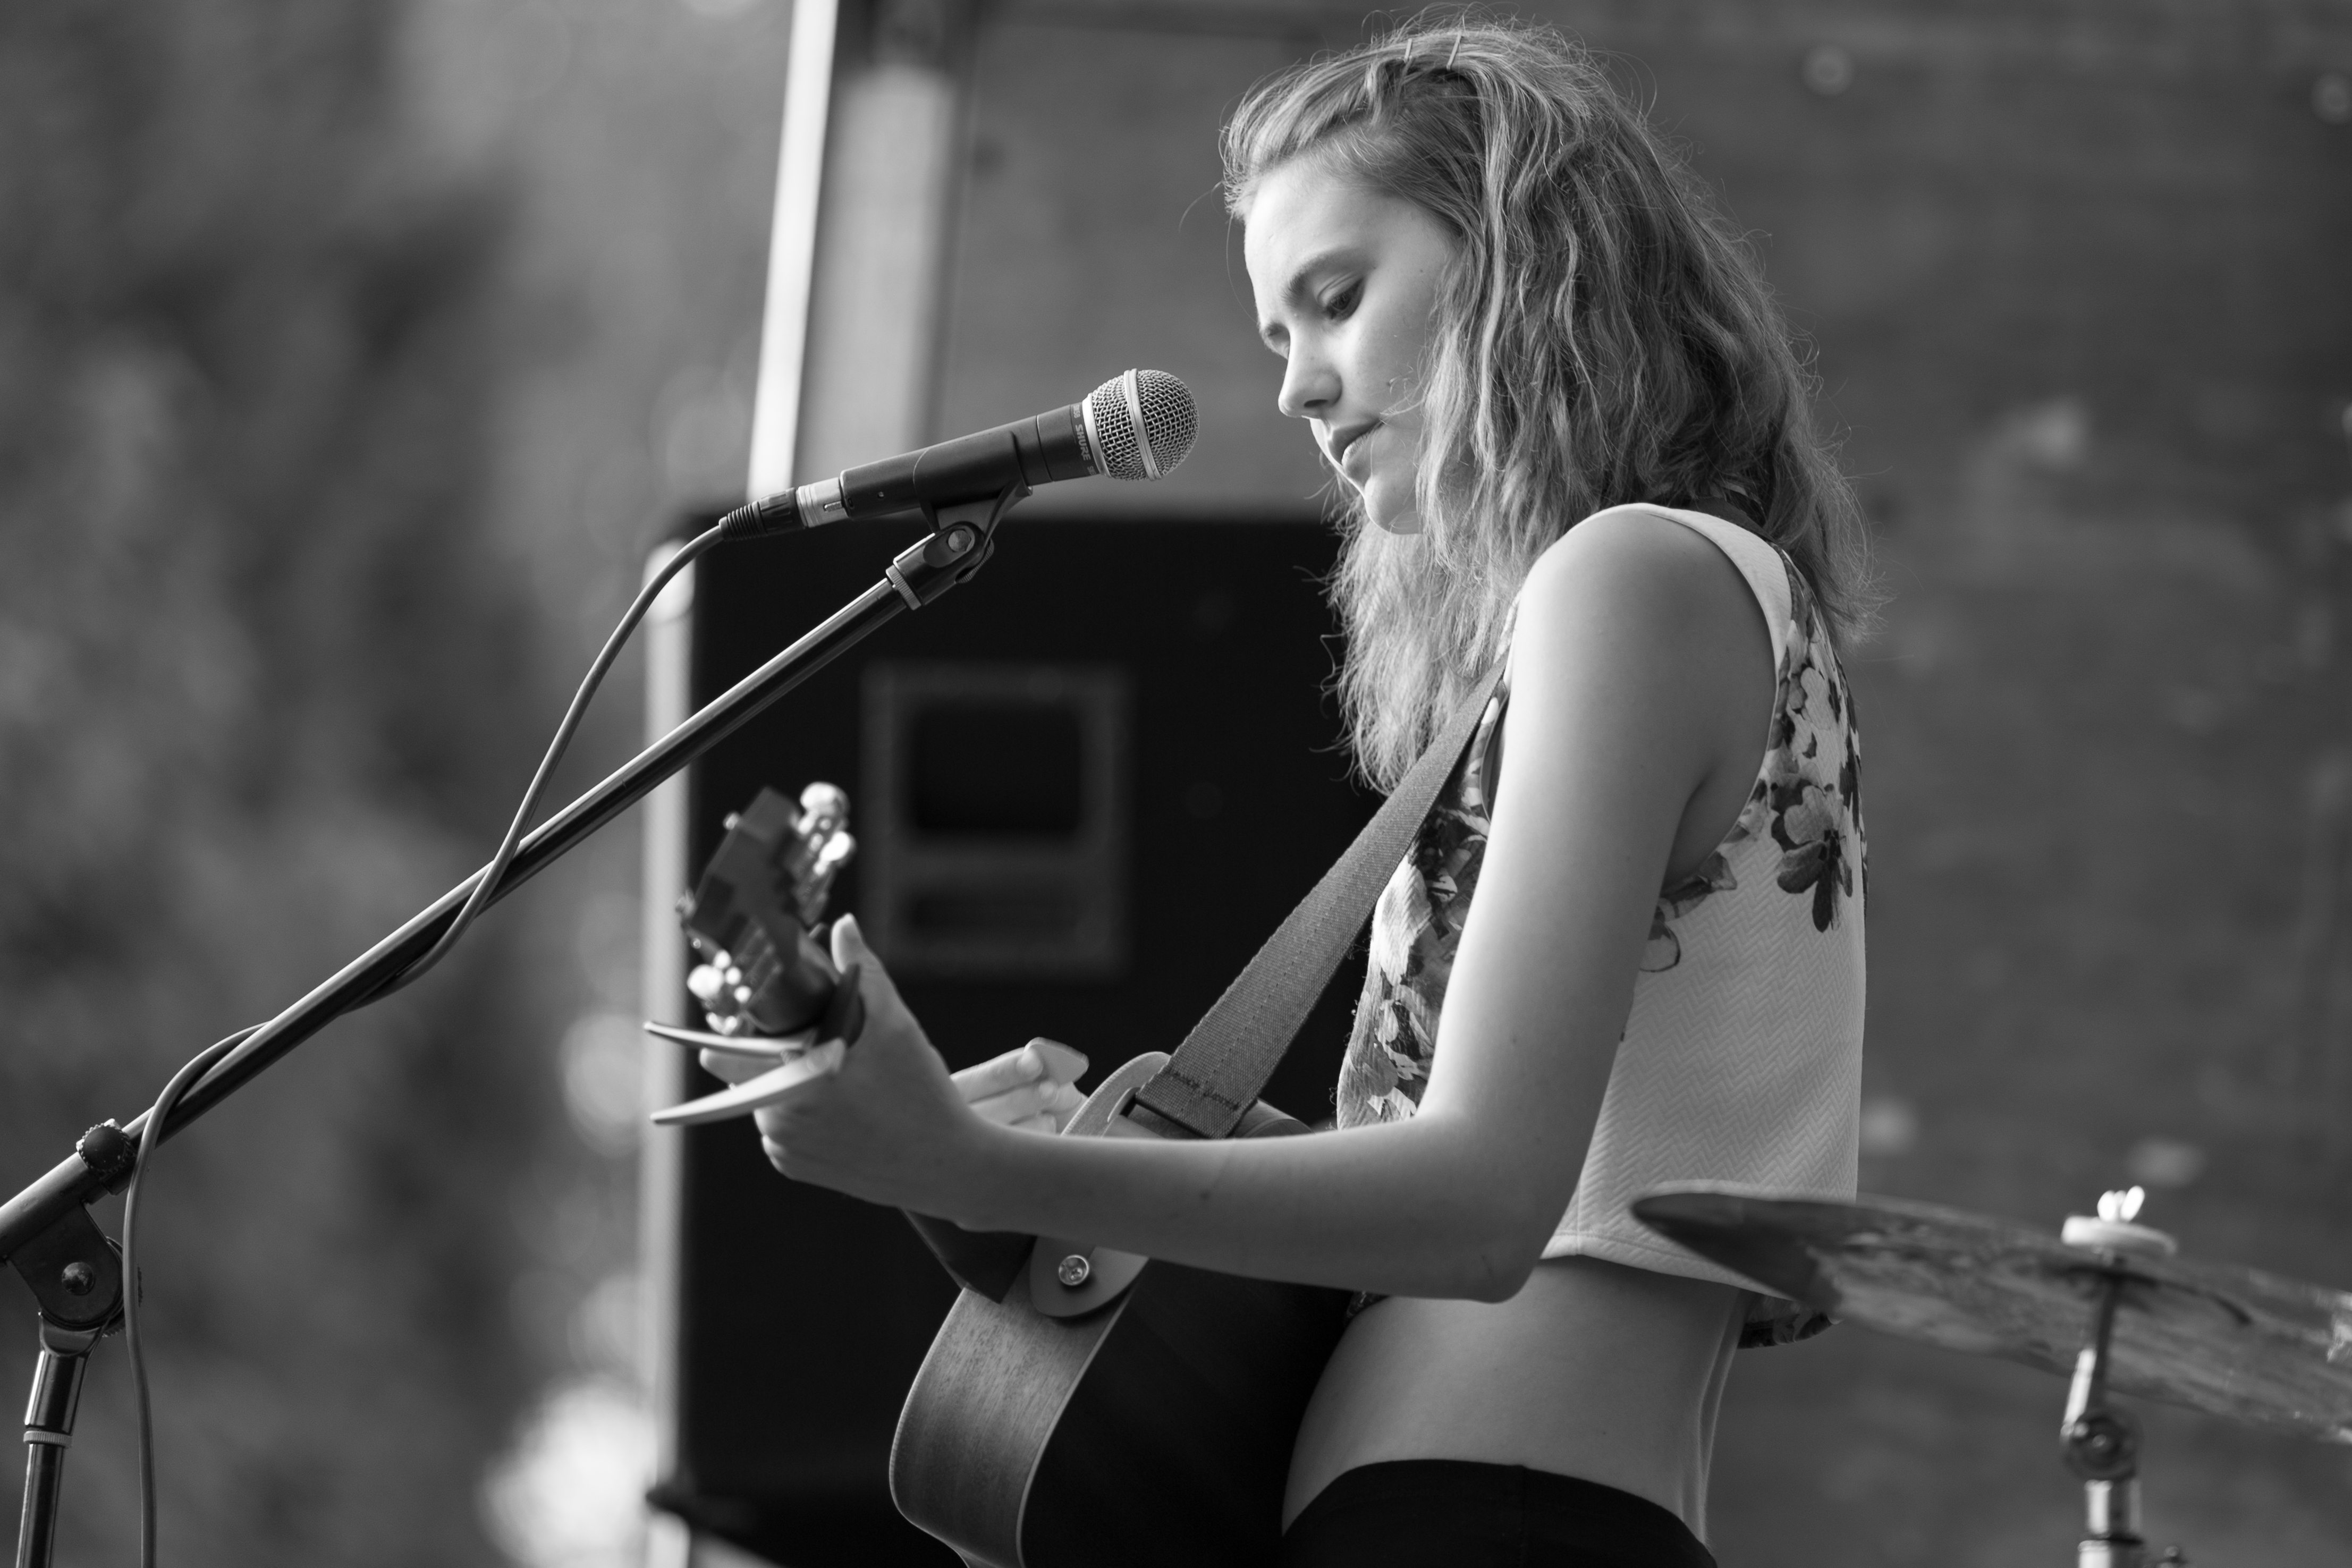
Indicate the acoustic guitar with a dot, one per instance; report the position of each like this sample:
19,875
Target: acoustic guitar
1066,1374
1083,1408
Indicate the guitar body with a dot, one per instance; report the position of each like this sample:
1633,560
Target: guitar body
1152,1429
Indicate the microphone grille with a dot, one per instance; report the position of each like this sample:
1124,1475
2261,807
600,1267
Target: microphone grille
1141,425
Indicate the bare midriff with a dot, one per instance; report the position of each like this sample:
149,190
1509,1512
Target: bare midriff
1593,1370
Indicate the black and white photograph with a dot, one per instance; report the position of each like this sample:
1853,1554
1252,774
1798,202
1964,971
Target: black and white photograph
1081,783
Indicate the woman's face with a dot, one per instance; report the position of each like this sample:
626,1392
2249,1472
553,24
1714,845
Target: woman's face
1347,282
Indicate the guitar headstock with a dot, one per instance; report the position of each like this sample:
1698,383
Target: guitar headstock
751,916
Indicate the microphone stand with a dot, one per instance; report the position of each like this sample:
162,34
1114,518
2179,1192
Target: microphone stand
75,1271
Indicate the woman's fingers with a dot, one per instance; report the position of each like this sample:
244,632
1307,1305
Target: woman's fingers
1000,1075
1063,1104
1048,1106
1062,1064
1016,1107
1018,1089
1013,1106
875,988
893,1125
1031,1085
1038,1060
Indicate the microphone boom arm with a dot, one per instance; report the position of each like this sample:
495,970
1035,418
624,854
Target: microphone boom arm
45,1231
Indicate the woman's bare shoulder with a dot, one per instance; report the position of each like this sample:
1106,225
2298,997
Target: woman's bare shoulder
1639,640
1666,591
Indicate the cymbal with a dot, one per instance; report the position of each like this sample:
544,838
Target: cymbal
2270,1352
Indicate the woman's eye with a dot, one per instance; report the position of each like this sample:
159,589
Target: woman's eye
1336,307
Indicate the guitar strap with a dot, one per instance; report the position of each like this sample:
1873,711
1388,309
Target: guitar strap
1216,1074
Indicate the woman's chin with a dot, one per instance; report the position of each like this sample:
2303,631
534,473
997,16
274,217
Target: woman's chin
1390,508
1391,513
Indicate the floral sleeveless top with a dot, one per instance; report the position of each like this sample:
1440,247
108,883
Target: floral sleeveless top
1741,1060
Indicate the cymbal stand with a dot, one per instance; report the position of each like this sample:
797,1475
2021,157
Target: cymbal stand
2101,1443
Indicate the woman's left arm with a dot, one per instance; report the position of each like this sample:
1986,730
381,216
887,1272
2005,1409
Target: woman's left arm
1636,663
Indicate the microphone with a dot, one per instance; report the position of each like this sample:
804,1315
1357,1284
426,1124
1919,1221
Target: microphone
1135,427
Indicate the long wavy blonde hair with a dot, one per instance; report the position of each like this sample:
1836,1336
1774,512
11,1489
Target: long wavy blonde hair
1604,337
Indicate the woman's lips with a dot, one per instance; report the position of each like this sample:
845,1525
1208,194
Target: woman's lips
1355,456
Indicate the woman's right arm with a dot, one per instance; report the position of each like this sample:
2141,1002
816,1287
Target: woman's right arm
1036,1090
1638,665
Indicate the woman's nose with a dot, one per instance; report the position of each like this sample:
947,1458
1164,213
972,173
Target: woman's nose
1309,387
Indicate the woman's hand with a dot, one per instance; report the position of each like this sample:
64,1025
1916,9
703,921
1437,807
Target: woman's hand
1034,1088
892,1125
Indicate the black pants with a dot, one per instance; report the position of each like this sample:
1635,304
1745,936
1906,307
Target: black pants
1452,1513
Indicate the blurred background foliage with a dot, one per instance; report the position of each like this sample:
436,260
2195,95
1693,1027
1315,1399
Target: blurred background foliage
261,677
274,665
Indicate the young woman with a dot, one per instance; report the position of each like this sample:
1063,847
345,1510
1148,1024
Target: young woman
1628,946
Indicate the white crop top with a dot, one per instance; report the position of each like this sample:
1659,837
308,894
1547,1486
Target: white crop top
1741,1060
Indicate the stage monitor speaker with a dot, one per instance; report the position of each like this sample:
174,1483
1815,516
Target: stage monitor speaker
1086,785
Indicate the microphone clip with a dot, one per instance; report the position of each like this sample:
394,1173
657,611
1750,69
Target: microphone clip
963,537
